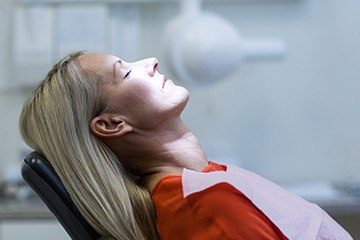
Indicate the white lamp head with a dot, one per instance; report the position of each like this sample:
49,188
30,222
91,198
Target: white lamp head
202,48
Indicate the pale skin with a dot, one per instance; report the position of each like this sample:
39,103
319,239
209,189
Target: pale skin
141,123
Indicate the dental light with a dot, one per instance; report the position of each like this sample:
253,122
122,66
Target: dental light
202,47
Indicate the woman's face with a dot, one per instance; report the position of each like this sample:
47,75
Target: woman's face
136,90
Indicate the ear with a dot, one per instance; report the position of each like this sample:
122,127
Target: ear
109,126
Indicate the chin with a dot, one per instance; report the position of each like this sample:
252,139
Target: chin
186,96
185,100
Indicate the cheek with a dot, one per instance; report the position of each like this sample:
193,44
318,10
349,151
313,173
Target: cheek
139,96
139,101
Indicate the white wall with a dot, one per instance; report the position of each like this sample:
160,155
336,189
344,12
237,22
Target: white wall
295,119
10,101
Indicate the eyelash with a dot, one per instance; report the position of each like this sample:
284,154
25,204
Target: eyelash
127,74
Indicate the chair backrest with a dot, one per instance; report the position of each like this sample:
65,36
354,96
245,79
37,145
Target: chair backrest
41,177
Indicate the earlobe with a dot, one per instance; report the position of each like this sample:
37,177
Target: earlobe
107,126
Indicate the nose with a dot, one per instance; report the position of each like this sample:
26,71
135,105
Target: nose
151,65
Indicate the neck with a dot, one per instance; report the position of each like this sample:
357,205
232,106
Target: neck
164,153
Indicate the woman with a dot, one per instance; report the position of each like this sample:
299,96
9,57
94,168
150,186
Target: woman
113,133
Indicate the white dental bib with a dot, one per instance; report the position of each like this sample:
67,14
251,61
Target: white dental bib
297,218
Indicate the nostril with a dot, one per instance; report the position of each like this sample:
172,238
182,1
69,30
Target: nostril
155,67
153,70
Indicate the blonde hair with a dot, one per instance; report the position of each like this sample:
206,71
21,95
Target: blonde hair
55,122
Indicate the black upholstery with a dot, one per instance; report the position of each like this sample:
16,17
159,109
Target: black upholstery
38,173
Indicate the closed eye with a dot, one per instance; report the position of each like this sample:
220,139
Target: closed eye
127,74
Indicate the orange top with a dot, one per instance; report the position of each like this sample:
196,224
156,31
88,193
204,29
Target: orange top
219,212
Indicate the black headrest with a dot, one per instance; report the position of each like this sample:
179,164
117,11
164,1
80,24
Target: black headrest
39,174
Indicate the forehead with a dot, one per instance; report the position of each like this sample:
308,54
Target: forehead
98,62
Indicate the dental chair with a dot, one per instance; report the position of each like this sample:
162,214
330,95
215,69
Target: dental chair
41,177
